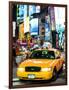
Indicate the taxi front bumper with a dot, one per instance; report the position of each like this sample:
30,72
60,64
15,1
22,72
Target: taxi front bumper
42,75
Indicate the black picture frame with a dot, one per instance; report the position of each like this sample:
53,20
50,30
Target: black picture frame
11,3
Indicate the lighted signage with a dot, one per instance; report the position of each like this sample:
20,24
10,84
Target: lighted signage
32,9
37,9
21,31
52,17
20,12
14,28
47,32
26,25
47,18
59,17
25,11
34,26
47,28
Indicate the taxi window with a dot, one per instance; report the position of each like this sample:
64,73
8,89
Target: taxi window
43,54
48,54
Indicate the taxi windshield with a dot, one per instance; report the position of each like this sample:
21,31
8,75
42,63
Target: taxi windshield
43,54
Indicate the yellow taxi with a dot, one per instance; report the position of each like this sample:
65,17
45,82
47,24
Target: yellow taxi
42,65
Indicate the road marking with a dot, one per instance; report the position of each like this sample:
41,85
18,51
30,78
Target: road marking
15,79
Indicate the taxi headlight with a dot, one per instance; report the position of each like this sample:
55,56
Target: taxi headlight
46,69
21,69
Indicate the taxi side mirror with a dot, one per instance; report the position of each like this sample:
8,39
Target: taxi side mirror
57,57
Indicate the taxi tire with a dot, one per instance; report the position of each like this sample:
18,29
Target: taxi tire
21,80
61,70
55,74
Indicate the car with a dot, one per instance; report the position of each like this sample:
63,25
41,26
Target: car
43,64
21,50
47,45
36,46
21,54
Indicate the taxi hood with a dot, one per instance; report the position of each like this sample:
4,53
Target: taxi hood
38,62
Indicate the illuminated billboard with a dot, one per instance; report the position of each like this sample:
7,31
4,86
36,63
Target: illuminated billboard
47,28
21,31
52,17
47,32
26,25
20,12
34,26
37,9
32,9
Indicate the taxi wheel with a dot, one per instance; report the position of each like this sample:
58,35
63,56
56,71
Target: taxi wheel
61,70
55,74
21,80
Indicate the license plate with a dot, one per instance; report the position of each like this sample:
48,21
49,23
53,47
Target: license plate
31,76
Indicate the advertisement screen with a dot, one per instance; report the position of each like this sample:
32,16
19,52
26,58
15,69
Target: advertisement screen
32,9
47,32
20,12
52,17
34,26
21,31
26,24
37,9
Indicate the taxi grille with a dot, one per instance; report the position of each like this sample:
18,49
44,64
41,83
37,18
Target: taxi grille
32,69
